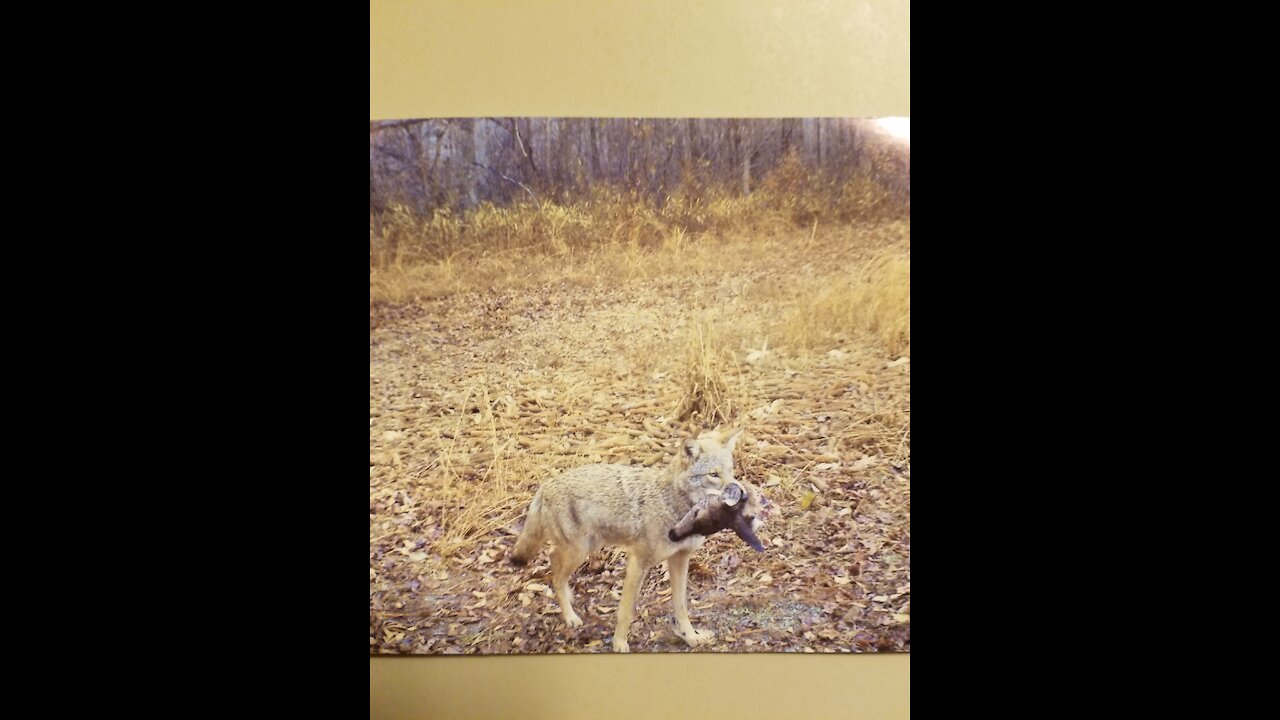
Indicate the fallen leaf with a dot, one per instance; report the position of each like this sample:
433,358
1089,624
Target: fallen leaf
864,463
807,500
417,556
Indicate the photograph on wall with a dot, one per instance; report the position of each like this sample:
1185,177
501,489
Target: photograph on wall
639,385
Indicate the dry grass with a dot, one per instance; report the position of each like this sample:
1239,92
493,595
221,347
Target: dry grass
543,357
705,396
874,298
482,485
490,444
608,235
489,451
482,445
404,281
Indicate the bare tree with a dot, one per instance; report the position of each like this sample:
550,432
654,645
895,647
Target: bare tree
426,164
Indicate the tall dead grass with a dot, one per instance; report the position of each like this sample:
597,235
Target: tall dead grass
874,298
609,234
706,396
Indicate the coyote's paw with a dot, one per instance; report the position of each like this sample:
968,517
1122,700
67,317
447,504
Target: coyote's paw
696,638
621,646
572,620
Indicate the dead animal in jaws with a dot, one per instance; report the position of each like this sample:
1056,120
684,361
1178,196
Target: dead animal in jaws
715,513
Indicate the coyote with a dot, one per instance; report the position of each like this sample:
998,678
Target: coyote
639,508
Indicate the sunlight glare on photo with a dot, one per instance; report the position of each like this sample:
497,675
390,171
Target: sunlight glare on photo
899,127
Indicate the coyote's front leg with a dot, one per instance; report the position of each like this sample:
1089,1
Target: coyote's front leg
678,565
636,567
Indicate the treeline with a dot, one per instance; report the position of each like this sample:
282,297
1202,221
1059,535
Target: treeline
459,163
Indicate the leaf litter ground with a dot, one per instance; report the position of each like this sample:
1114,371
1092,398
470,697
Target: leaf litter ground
476,398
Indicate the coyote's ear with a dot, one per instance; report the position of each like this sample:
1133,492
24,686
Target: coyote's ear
692,449
731,494
729,438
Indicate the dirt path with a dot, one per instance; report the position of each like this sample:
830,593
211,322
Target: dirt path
475,399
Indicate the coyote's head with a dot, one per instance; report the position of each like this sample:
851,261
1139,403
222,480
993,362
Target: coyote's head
721,501
707,462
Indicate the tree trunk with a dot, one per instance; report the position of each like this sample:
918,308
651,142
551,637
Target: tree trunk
420,160
518,143
688,143
469,157
548,156
375,209
595,150
822,155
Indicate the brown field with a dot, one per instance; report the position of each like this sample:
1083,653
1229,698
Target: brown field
516,342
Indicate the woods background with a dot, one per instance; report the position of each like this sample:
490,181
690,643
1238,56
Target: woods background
453,165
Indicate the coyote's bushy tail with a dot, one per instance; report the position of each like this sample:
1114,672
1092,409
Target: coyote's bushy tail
530,539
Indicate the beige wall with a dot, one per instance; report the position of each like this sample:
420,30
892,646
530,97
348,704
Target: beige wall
655,58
